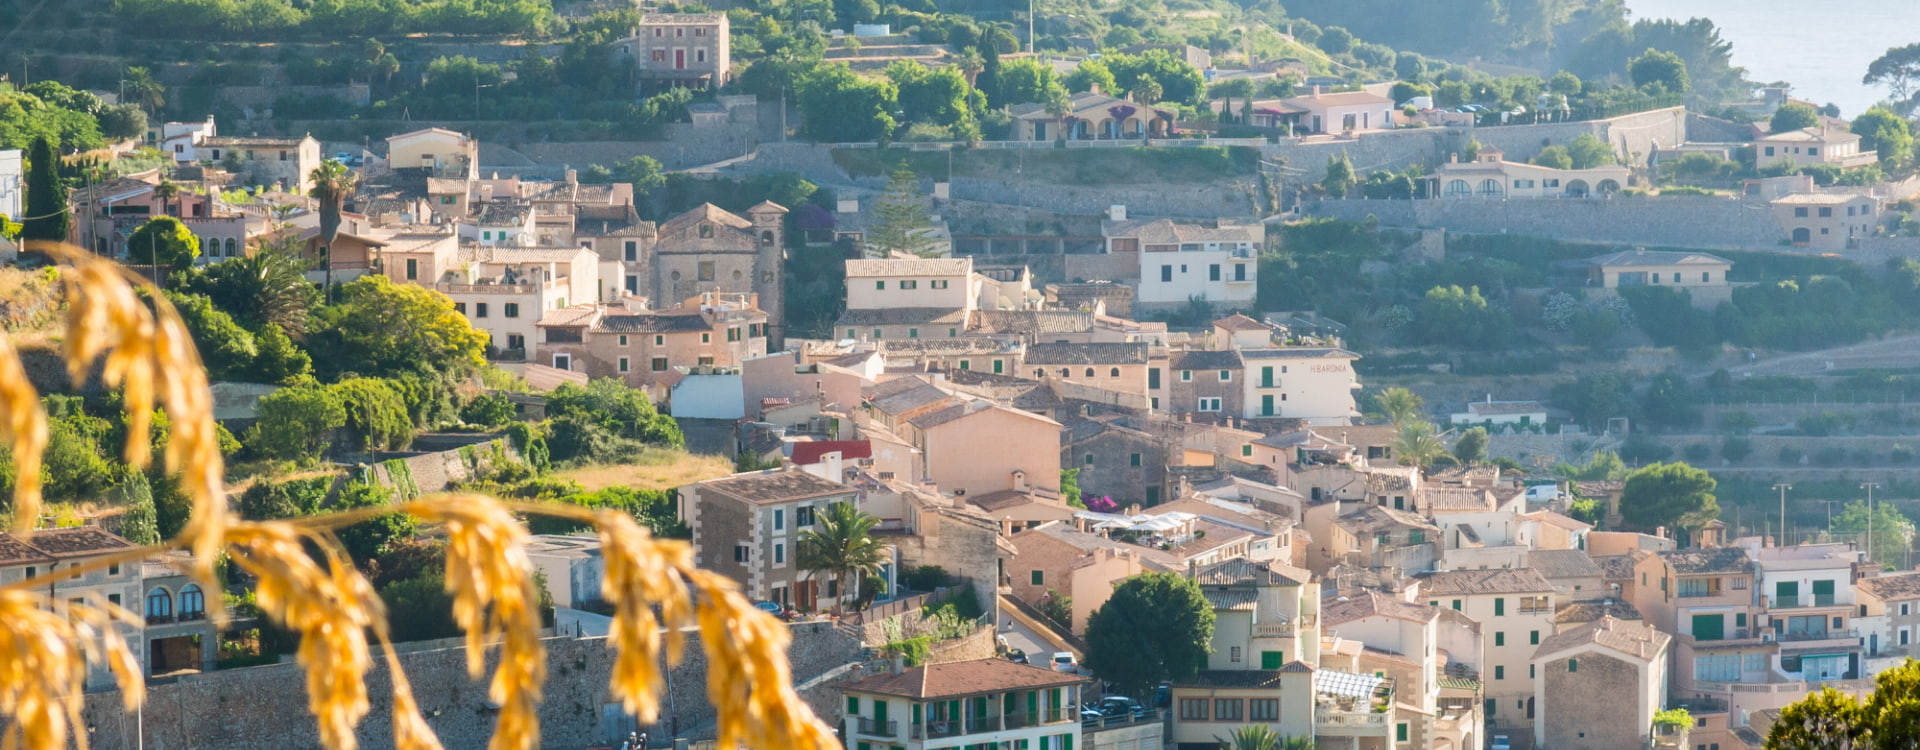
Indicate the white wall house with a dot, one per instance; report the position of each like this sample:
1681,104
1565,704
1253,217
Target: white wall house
1182,261
11,173
1314,383
892,283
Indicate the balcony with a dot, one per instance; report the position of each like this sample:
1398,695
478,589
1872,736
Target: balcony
1849,634
1274,630
1799,601
1352,723
873,728
941,728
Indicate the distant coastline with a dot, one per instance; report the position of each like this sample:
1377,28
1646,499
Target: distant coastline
1823,61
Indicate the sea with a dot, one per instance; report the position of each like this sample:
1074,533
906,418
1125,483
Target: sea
1822,47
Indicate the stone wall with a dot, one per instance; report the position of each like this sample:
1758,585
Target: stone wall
440,470
266,706
1231,198
979,644
1633,136
1680,221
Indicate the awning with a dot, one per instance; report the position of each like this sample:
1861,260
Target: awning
1345,684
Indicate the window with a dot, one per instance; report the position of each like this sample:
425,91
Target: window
516,341
1799,212
1263,709
909,284
733,333
1706,276
1226,376
1186,376
1233,655
1533,605
706,338
1533,638
193,604
937,284
1089,461
1213,272
1227,709
1456,605
1193,709
880,285
623,364
1499,638
1499,606
1697,587
1499,673
659,364
1211,403
479,309
699,55
1272,660
1134,460
1573,665
1716,667
1113,372
413,269
705,270
706,362
1089,372
1038,578
742,553
1166,273
512,309
1400,732
159,603
779,519
779,554
632,250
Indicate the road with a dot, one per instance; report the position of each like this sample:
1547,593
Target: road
1893,352
1038,645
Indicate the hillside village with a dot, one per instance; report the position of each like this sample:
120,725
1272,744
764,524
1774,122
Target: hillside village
1110,377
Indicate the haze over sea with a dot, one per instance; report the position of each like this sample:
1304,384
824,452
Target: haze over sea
1822,48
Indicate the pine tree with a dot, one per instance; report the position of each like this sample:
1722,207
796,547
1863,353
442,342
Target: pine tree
902,224
47,219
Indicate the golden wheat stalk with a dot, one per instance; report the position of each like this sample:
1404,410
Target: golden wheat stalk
304,582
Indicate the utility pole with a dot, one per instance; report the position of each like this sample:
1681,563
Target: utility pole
1783,487
1869,487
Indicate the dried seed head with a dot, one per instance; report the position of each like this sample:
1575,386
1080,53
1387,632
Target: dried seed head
642,573
329,607
747,647
44,656
25,428
494,599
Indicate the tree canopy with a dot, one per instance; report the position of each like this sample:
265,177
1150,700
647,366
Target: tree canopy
1793,116
1673,495
1659,72
1832,720
163,241
381,328
1155,627
1899,71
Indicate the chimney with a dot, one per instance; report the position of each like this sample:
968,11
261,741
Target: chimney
1316,91
573,177
1117,212
1019,481
897,664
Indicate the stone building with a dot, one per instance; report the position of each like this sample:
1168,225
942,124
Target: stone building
51,550
746,527
681,49
650,349
708,248
1602,683
285,162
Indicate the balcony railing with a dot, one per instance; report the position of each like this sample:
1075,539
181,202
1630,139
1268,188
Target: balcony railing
1820,635
1352,719
1811,600
938,728
1274,630
875,728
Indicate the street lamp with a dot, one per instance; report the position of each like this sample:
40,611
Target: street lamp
1783,487
1869,487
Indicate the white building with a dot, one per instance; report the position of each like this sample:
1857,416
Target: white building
1490,176
1515,610
506,291
1313,383
985,703
894,283
11,174
182,139
1501,412
1183,261
52,550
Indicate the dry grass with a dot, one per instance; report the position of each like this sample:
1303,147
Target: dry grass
657,469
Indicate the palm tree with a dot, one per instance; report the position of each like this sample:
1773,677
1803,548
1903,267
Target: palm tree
1400,405
1059,105
268,287
1418,444
970,63
1262,737
166,191
332,186
142,89
841,545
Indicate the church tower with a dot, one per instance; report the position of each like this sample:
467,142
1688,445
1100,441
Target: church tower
770,268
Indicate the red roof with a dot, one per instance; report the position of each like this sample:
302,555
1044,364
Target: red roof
811,451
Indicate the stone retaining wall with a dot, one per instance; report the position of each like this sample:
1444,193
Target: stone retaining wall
1680,221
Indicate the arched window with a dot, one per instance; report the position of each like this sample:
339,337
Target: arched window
1114,373
1066,373
1608,187
159,603
1491,187
766,237
1458,188
193,603
1039,372
230,249
1089,372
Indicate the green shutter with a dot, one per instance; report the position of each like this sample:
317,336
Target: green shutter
1400,732
1500,638
1033,702
1066,742
853,705
916,714
1709,627
1573,665
879,711
1272,659
1499,606
1739,619
1043,743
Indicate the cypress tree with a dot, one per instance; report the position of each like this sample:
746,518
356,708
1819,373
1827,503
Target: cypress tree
988,82
47,218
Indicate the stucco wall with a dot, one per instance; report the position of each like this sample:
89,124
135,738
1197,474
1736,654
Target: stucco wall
266,706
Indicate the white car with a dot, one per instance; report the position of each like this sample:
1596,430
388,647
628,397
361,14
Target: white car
1063,661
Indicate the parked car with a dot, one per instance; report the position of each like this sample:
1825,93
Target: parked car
1115,706
1016,656
1500,742
1063,661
